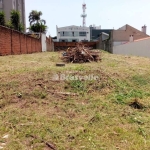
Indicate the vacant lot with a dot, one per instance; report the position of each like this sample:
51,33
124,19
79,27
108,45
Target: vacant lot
110,113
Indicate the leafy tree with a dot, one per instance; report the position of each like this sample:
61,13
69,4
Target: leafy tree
15,20
36,23
2,18
38,27
35,17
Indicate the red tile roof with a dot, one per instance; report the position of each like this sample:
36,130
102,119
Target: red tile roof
142,39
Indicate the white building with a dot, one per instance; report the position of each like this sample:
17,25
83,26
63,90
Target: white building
73,34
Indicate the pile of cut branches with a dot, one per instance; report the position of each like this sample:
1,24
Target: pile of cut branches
81,54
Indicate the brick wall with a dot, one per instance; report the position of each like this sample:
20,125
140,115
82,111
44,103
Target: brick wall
58,46
14,43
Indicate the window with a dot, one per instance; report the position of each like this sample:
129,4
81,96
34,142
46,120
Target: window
61,33
74,40
76,33
69,40
63,40
66,33
82,33
69,33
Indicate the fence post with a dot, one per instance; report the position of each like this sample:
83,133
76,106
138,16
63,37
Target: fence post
43,42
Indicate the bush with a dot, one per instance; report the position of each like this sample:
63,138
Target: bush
2,18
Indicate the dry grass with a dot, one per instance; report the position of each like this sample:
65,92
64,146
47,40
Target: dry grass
98,118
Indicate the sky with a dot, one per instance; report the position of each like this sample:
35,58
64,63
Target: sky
109,14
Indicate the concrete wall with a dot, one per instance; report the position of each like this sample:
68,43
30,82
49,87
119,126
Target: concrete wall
49,44
107,44
73,29
13,42
137,48
119,43
43,42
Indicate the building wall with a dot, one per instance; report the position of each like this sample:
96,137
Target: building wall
119,43
106,45
123,35
21,8
73,29
1,5
8,5
13,42
137,48
95,33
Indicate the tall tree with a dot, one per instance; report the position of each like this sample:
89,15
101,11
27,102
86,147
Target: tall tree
36,23
15,20
35,17
2,18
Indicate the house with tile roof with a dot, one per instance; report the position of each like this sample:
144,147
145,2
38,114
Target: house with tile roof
120,37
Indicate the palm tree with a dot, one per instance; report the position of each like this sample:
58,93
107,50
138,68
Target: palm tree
35,17
38,27
2,18
15,20
36,23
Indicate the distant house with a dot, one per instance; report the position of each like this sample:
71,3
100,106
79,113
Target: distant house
120,36
73,34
